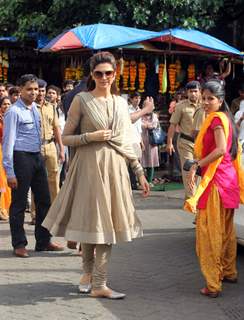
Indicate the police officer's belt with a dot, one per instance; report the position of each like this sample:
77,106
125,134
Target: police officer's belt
186,137
47,141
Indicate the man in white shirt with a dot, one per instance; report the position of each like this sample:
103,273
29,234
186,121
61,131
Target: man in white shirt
239,117
136,113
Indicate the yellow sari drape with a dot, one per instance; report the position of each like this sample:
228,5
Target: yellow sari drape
191,204
5,199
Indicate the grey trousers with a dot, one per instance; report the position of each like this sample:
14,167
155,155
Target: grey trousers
96,264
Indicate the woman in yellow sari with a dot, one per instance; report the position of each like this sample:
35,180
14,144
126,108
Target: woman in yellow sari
219,192
5,192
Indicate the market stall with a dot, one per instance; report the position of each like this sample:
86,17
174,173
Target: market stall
153,63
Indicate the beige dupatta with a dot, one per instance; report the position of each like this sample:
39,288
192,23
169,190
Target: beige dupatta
122,132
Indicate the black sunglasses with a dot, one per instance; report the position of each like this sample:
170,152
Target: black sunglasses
100,74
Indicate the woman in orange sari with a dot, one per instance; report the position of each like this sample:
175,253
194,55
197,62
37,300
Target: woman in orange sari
5,196
219,192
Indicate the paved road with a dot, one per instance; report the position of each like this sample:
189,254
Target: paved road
159,273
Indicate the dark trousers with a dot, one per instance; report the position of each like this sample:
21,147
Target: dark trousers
30,171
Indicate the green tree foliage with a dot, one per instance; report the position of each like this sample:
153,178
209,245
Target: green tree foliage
20,17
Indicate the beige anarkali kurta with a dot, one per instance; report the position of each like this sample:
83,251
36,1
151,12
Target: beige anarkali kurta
95,203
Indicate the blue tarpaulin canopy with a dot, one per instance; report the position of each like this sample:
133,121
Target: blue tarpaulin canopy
196,40
98,36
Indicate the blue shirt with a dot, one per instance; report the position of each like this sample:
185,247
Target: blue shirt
22,132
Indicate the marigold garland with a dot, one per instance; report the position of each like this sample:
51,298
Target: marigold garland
141,76
133,73
191,72
172,78
126,75
160,77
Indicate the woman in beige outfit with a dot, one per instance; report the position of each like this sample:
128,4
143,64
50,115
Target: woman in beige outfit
95,204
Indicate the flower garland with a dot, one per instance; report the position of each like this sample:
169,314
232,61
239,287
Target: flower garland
126,73
191,72
172,78
133,73
142,76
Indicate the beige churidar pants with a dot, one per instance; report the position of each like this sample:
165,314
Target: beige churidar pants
96,264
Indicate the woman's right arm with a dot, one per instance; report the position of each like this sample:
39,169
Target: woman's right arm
69,136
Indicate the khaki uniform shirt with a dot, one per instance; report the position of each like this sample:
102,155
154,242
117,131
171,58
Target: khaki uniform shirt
49,120
198,119
183,116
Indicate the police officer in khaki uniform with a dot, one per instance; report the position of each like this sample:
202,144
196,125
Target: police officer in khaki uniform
184,117
50,134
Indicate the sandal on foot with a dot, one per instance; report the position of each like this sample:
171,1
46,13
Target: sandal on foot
205,291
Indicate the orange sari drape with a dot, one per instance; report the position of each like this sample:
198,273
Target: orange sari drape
5,199
191,204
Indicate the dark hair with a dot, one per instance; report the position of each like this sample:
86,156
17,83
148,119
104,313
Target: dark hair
14,90
134,94
193,85
26,78
68,81
96,59
2,100
41,83
55,88
217,89
3,85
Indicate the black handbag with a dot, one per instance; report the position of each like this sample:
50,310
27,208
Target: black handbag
156,136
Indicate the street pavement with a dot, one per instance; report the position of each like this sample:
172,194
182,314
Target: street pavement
159,273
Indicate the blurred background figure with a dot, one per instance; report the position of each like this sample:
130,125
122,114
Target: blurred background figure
14,94
150,158
235,104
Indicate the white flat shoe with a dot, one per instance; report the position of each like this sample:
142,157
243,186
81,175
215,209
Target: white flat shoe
85,288
113,295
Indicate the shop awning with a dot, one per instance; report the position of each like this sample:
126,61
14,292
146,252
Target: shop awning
98,36
195,39
8,39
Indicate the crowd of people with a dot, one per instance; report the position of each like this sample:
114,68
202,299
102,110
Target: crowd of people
77,155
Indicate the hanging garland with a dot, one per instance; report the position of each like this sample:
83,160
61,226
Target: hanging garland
172,78
126,73
178,72
191,72
79,72
133,72
160,77
142,76
4,66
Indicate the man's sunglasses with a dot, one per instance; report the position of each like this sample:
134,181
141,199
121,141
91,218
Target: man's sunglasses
101,74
